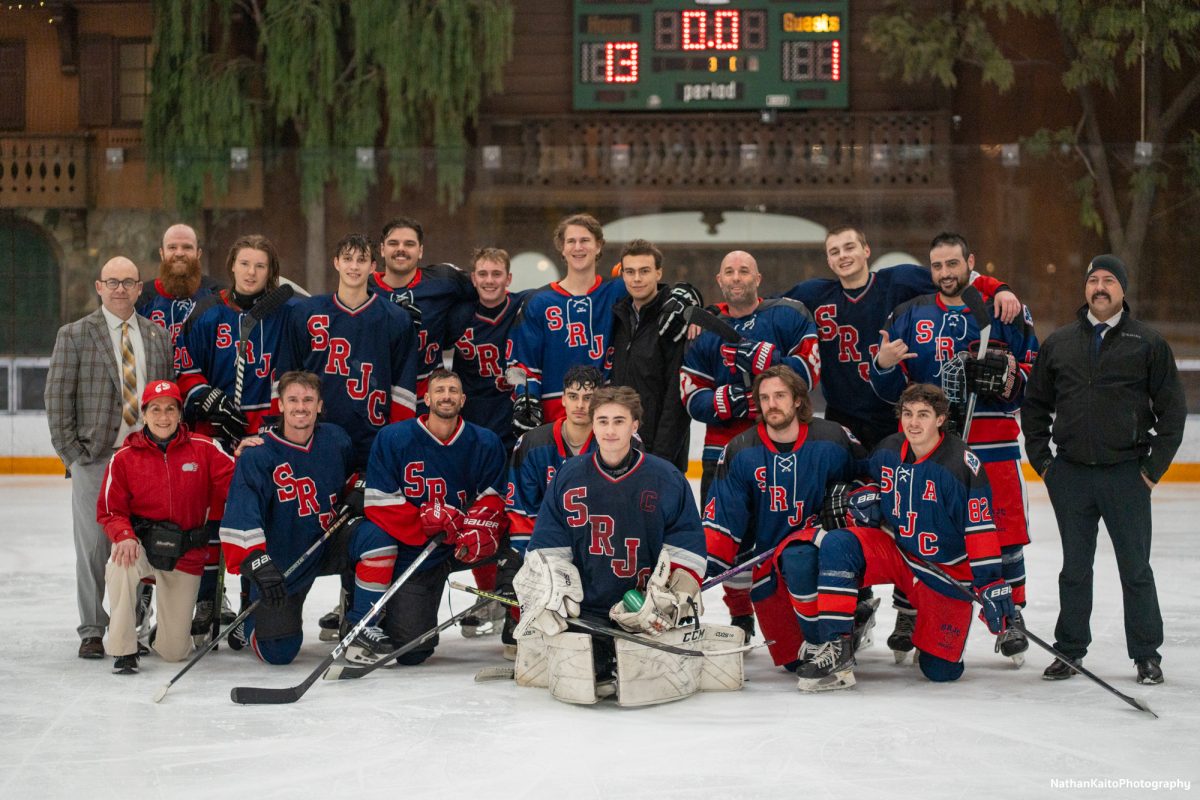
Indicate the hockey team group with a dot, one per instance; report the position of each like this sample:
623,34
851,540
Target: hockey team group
422,420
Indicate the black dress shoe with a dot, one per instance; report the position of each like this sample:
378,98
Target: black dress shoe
1058,671
1149,671
125,665
91,647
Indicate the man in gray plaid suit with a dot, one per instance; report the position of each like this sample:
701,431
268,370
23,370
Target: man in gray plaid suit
98,369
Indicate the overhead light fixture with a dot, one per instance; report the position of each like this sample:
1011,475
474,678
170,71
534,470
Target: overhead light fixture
1143,153
619,156
1010,155
491,156
364,158
239,159
114,158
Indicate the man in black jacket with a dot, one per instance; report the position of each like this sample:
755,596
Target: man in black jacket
647,360
1108,380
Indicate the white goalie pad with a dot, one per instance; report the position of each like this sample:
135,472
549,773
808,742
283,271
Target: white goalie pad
722,673
572,675
647,677
531,667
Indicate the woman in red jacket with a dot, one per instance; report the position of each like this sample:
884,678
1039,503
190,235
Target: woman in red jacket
161,493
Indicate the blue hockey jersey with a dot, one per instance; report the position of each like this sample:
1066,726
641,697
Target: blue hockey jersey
410,467
613,529
170,312
282,499
366,358
782,322
538,456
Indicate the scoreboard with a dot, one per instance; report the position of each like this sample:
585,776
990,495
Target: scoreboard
706,55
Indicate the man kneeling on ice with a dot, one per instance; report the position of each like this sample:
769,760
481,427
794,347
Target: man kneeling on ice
613,521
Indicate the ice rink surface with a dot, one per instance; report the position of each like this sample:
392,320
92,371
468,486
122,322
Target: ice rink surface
70,728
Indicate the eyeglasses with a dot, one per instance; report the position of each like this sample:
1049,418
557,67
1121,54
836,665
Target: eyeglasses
128,283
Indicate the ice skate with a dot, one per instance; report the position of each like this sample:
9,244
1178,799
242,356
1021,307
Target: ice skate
900,640
827,668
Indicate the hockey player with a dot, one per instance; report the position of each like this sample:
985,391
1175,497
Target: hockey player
207,357
429,294
481,349
936,506
179,286
427,476
570,322
934,339
716,378
768,492
166,487
362,347
283,497
645,359
850,309
613,521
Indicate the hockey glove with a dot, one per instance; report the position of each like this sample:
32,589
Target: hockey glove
734,402
437,517
749,358
669,598
993,377
527,414
266,576
216,408
850,505
550,591
405,301
480,535
672,324
996,605
353,494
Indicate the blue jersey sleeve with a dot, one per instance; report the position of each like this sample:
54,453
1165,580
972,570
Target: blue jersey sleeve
728,512
526,344
888,384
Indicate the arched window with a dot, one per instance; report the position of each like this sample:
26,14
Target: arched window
30,303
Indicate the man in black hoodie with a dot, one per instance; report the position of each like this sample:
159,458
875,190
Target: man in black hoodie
648,360
1108,380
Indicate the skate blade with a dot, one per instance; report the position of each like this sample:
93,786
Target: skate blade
829,683
902,655
487,628
1018,660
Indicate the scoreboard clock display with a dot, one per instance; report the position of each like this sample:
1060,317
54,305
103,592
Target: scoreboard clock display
706,55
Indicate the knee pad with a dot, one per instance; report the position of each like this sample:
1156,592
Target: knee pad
798,563
939,670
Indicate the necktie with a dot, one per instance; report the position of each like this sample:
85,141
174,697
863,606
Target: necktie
129,408
1098,337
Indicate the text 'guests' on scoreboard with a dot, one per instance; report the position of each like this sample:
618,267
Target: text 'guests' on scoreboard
705,55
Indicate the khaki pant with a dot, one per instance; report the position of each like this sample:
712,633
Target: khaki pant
175,596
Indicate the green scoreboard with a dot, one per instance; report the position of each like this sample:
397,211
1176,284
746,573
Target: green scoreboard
707,55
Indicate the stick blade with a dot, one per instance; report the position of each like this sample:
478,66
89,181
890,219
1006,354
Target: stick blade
162,692
977,306
1142,706
344,672
258,696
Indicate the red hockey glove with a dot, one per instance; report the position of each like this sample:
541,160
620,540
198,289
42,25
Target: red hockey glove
437,517
480,535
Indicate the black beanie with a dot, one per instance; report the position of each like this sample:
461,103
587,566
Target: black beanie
1112,264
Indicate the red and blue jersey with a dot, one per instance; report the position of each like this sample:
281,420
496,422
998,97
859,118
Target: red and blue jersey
207,356
366,359
557,330
613,529
848,325
170,312
936,333
763,492
480,357
437,290
282,498
539,455
782,322
940,509
410,467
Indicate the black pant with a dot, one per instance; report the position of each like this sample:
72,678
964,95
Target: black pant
413,609
1082,496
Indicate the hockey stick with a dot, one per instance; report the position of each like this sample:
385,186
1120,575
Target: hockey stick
344,672
970,594
252,695
729,573
265,307
613,632
983,319
709,321
333,528
202,305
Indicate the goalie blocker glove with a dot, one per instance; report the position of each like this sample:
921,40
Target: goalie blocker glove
672,322
527,413
996,606
267,578
550,590
214,406
995,376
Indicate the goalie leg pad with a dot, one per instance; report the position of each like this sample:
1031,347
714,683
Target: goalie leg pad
722,673
647,677
531,667
571,672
